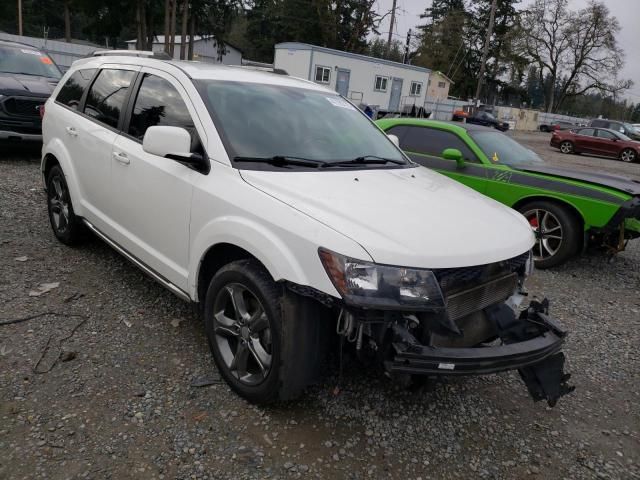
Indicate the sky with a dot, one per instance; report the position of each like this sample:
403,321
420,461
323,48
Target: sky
627,11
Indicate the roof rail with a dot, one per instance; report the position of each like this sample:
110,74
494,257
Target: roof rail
131,53
265,67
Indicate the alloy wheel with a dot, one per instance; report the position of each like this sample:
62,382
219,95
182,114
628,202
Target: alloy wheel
565,147
548,232
59,204
628,156
242,334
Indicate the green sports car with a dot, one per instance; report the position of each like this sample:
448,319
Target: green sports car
568,209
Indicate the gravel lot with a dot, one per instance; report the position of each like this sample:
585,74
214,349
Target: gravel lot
102,386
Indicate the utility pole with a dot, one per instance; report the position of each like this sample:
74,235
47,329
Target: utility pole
405,59
20,16
393,20
485,52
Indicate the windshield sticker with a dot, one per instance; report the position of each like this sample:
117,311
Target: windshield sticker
30,52
339,102
46,60
495,157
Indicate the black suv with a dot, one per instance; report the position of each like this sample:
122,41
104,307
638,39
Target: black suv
27,78
621,127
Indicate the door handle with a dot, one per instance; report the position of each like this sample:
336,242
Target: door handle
121,157
72,131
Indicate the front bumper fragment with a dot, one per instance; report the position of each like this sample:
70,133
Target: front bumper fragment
531,344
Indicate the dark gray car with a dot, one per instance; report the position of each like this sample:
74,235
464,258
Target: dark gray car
27,78
622,127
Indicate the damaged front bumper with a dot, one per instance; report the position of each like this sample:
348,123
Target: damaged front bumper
530,343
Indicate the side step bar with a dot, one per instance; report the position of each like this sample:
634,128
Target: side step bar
155,276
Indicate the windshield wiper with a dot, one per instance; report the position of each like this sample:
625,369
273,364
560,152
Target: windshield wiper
366,160
283,160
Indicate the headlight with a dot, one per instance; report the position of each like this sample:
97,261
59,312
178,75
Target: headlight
367,284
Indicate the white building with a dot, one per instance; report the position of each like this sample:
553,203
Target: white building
205,49
373,81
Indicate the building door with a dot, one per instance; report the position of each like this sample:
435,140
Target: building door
342,82
396,93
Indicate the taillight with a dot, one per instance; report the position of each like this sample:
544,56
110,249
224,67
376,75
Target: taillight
41,111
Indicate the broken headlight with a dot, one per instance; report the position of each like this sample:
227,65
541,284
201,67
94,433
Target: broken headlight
368,284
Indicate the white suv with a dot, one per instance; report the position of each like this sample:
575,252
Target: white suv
288,216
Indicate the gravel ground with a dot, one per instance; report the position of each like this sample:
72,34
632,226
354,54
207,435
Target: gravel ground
103,385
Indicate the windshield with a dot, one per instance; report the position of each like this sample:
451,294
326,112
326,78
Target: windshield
28,62
264,121
499,148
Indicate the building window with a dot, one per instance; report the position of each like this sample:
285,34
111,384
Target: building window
416,89
323,74
380,84
441,84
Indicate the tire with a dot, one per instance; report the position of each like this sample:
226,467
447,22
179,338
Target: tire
566,147
563,234
264,339
628,155
65,225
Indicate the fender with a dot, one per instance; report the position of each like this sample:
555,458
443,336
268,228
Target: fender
269,248
56,148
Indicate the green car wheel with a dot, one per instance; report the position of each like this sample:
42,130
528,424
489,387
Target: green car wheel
556,230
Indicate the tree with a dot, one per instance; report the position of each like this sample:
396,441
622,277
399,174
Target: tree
444,44
577,50
378,48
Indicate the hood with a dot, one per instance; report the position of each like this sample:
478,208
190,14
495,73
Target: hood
26,85
616,182
410,217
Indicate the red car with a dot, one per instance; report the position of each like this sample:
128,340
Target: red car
598,141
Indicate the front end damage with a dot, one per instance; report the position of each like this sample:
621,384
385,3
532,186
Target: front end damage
622,227
480,329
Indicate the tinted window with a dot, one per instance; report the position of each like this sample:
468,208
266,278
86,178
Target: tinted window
599,123
589,132
107,95
158,103
25,60
430,141
605,134
71,93
500,148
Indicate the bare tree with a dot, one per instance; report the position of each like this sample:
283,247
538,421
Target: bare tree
576,50
67,21
172,27
185,18
167,24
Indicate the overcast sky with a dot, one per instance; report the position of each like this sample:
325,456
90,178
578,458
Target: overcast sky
627,12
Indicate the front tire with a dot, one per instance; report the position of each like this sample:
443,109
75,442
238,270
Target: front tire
65,225
263,338
557,230
566,147
628,155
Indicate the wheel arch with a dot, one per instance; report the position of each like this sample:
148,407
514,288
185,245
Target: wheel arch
558,201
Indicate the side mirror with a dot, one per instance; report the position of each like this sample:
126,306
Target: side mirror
454,154
394,139
173,143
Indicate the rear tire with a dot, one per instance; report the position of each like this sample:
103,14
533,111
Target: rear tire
67,228
265,340
566,147
628,155
561,233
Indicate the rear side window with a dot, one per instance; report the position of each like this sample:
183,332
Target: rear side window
71,92
600,123
430,141
158,103
107,94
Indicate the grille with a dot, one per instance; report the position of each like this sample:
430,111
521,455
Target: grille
23,106
454,280
464,303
